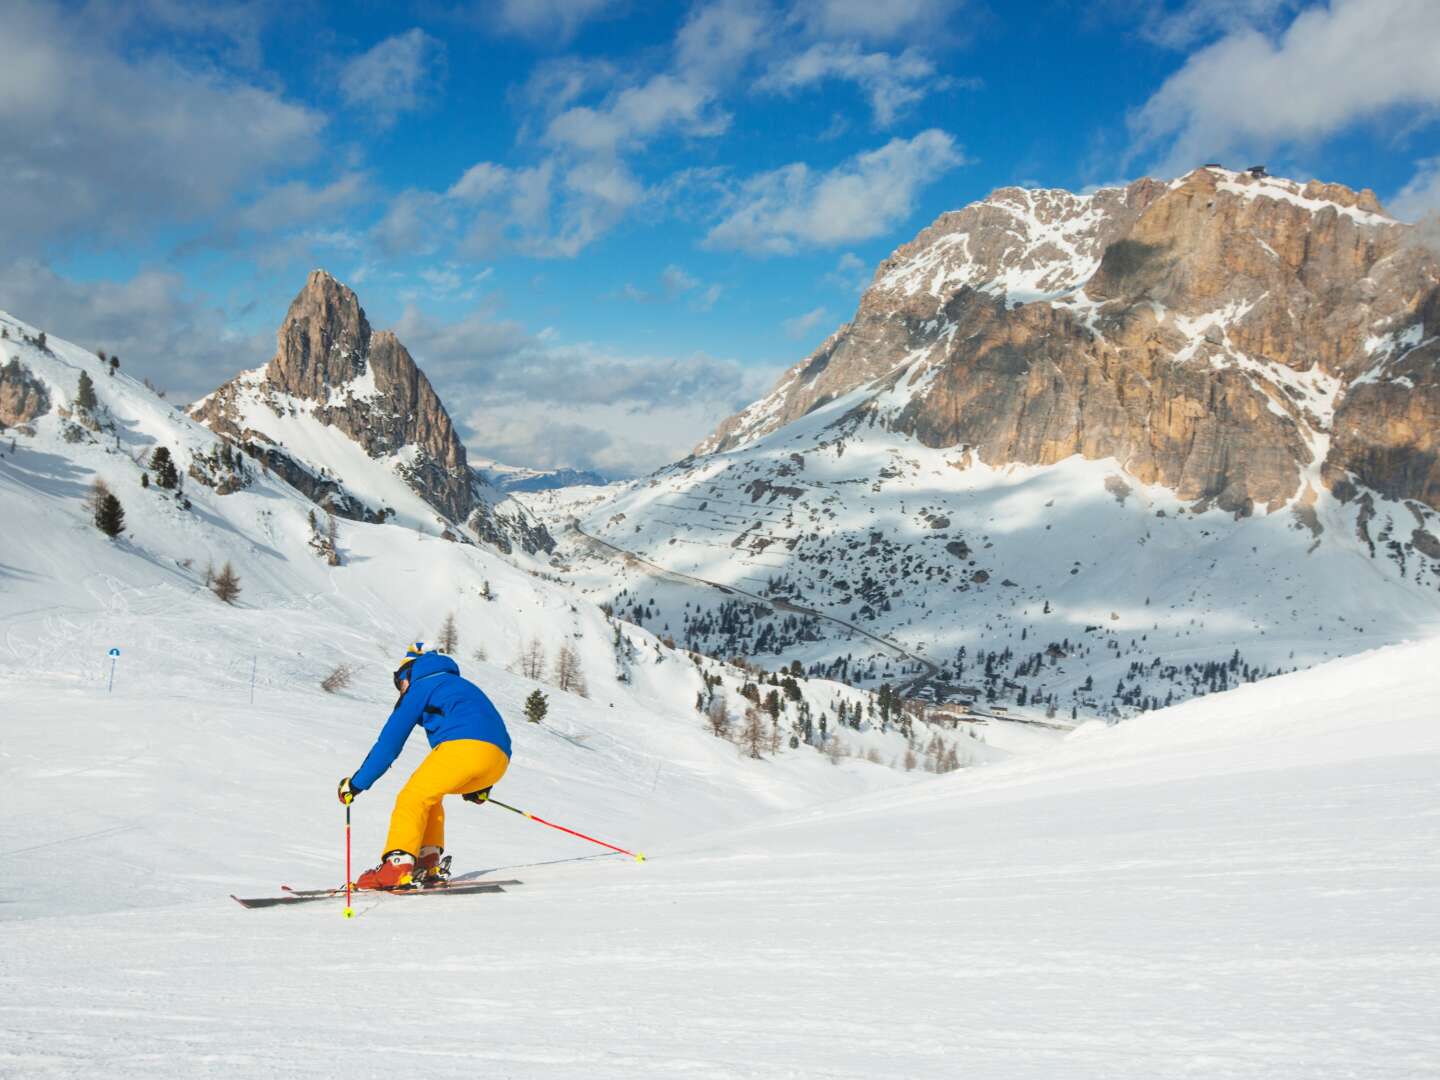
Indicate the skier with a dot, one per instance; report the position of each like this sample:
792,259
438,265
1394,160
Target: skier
470,750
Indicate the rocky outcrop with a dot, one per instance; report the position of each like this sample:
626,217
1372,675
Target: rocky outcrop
330,365
23,397
1234,337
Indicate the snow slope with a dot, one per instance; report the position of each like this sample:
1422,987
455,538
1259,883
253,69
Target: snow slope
936,551
1241,886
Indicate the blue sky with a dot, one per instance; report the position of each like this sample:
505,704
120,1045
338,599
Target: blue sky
601,226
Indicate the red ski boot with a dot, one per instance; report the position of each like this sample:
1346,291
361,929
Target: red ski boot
432,869
396,871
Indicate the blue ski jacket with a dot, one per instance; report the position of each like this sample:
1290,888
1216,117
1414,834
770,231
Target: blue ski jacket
445,705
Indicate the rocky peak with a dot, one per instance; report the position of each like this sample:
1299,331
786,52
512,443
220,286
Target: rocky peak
323,342
1240,338
330,366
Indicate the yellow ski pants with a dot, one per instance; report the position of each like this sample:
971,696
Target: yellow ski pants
456,767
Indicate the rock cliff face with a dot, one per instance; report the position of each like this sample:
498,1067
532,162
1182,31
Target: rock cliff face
333,370
23,397
1243,340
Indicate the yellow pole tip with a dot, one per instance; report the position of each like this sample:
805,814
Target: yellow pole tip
639,858
349,913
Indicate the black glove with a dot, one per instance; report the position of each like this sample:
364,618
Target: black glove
478,797
346,792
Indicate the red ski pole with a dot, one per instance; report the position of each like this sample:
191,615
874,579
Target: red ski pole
349,911
637,856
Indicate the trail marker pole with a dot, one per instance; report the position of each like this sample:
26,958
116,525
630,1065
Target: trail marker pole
254,662
114,657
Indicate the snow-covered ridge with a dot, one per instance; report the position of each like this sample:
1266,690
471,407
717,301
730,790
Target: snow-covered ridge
68,593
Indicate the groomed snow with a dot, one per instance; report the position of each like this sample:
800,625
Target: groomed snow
1243,886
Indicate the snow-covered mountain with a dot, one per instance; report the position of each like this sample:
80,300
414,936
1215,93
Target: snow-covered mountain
519,478
1103,452
316,595
346,416
1240,339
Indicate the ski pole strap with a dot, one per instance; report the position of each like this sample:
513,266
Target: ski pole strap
637,856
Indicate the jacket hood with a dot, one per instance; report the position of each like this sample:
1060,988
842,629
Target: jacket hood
432,664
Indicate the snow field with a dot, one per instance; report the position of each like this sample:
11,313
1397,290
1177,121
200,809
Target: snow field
1243,886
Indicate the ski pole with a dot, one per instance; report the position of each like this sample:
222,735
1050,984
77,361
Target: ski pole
349,911
637,856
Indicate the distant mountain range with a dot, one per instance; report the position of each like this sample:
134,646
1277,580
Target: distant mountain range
517,478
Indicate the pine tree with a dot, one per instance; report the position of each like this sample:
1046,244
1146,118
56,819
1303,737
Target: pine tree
536,706
110,516
85,392
226,584
449,638
164,467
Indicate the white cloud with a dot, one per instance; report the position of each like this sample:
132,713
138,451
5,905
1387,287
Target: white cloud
801,325
545,20
890,82
416,223
795,207
183,343
1332,67
297,202
1421,196
636,115
1182,27
675,281
480,182
894,20
96,142
530,399
394,76
851,273
707,298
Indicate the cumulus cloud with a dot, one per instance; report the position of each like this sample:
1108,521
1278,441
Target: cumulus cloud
890,82
544,20
94,141
1199,20
298,202
151,321
1421,196
395,76
532,400
796,207
801,325
851,273
1330,68
675,281
894,20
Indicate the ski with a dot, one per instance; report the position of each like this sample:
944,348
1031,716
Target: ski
340,889
311,895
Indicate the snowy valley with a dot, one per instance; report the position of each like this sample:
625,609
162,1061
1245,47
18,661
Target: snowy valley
944,762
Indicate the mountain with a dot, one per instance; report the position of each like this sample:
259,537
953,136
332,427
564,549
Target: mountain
1236,338
317,596
520,479
1108,451
346,416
